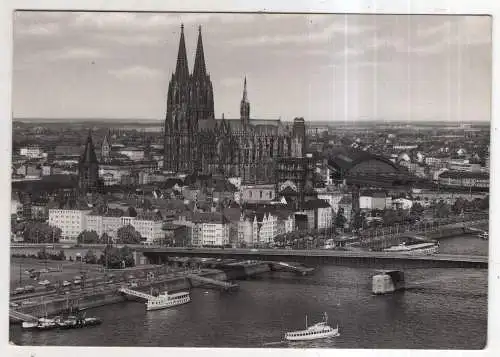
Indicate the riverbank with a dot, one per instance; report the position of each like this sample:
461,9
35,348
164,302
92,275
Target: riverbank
109,295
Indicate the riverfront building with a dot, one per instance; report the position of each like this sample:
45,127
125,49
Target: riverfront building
71,222
261,227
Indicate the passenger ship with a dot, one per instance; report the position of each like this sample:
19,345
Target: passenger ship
415,249
317,331
166,300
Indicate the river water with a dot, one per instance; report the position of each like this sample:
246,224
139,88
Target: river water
448,310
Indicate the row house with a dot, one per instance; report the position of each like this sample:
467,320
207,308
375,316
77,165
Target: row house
319,214
257,228
205,229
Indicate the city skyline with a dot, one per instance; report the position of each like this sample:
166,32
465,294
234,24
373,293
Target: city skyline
117,65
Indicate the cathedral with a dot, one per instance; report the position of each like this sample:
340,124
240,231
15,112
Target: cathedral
196,142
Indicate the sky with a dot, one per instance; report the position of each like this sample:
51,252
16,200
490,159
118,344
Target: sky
320,67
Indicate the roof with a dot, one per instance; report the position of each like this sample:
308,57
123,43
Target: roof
345,159
346,200
148,216
208,217
314,204
371,193
172,226
462,174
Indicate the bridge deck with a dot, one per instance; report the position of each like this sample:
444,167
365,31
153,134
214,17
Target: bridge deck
317,253
136,293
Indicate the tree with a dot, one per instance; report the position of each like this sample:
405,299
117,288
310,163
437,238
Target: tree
105,239
128,235
417,209
131,212
90,257
88,237
458,206
441,210
358,220
36,232
390,217
114,258
61,255
485,203
340,219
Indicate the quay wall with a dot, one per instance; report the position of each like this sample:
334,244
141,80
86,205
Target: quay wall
92,300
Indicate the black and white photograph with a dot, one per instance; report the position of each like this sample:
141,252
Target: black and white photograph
250,180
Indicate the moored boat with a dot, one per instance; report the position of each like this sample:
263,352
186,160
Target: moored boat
319,330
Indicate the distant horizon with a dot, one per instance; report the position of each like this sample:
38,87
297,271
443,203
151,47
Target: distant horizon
160,121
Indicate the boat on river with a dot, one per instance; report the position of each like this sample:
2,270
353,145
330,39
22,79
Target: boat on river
167,300
317,331
73,322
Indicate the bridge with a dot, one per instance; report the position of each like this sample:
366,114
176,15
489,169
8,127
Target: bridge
226,285
135,293
380,260
19,316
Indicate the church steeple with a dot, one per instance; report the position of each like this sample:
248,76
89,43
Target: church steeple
182,69
88,168
106,147
245,105
199,70
89,155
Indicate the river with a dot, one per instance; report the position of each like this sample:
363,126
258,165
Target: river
447,311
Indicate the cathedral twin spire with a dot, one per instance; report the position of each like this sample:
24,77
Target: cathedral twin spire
199,70
182,69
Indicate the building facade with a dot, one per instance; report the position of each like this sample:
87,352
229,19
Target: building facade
71,222
257,193
197,142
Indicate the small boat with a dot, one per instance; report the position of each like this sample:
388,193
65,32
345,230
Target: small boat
317,331
29,325
73,322
484,235
166,300
47,324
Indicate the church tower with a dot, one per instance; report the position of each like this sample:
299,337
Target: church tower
106,148
177,125
88,168
202,95
245,105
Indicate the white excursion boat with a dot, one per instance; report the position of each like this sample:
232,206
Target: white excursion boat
317,331
427,248
166,300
